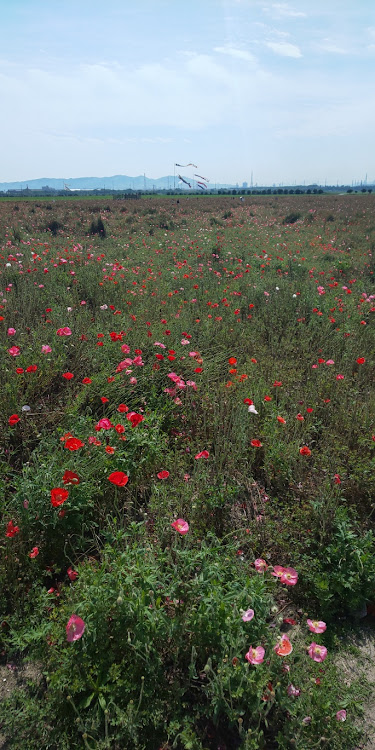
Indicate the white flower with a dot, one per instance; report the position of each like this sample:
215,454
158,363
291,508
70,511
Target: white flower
252,409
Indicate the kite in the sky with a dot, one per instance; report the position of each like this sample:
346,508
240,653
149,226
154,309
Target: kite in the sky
202,178
202,185
187,165
183,180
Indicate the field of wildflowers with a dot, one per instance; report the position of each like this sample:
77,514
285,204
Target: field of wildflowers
187,469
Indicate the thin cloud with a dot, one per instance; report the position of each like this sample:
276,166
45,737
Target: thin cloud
285,49
326,45
284,10
240,54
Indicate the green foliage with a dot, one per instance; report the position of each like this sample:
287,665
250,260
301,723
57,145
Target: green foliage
343,578
268,301
164,630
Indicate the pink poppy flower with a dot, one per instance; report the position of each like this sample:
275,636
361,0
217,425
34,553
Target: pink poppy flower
75,628
11,331
14,351
46,349
292,691
103,424
248,615
341,715
64,331
181,526
316,626
34,552
260,565
316,652
289,577
255,655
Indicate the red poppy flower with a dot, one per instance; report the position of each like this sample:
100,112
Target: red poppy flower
163,474
268,398
12,530
13,419
118,478
202,454
70,477
108,449
19,370
73,444
72,574
134,418
361,361
281,420
305,451
120,429
58,496
248,401
31,368
256,443
122,408
34,552
86,381
232,360
277,383
68,375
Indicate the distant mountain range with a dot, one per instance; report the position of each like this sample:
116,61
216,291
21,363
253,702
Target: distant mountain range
116,182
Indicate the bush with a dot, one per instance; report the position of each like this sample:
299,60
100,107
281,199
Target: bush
54,226
291,218
97,227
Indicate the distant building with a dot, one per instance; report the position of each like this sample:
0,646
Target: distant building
244,184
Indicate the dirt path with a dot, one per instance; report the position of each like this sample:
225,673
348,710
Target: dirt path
361,666
12,677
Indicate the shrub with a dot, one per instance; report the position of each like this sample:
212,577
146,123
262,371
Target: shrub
97,227
292,217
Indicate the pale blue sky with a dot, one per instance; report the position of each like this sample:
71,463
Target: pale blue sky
285,90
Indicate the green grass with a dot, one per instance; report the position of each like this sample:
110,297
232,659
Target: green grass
244,305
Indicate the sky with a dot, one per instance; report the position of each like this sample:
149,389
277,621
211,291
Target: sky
283,91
